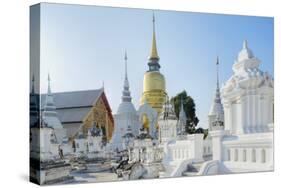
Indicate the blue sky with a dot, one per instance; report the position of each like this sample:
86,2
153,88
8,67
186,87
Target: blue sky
83,46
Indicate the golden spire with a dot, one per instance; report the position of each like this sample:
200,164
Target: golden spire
153,52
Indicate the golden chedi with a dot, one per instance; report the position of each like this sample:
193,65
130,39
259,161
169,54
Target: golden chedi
154,86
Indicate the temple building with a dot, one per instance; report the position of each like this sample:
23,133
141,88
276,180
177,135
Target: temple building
81,110
126,115
154,86
216,113
246,143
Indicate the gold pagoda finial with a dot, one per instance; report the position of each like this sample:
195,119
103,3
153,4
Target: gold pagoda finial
153,53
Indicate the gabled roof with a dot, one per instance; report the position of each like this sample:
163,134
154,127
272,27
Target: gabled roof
72,99
73,106
73,115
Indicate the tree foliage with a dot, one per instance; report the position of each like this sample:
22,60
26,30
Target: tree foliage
189,108
202,131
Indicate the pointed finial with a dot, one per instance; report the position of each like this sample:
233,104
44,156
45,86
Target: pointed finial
245,44
125,55
103,84
153,53
33,80
217,63
153,19
181,103
126,58
49,84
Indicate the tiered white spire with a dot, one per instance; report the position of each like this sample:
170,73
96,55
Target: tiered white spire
216,107
182,119
182,115
126,94
49,107
50,117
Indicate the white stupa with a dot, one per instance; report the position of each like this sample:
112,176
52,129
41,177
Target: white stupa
216,113
248,96
50,116
246,143
126,115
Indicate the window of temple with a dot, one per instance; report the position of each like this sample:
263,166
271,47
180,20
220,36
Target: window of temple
236,155
244,155
254,156
204,149
263,156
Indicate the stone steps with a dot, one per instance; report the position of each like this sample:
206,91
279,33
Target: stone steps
192,169
189,173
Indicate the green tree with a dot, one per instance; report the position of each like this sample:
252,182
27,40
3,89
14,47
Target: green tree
189,108
202,131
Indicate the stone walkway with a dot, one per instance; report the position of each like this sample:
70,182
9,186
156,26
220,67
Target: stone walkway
80,177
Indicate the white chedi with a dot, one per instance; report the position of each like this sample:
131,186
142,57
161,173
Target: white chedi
248,96
216,113
125,117
50,117
246,144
